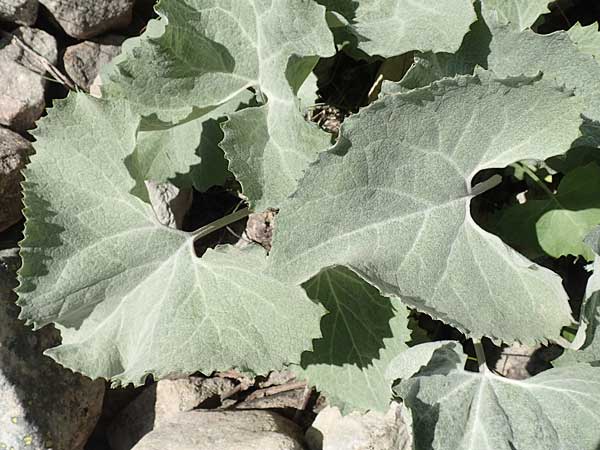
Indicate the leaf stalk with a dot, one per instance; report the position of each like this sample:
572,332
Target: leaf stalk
220,223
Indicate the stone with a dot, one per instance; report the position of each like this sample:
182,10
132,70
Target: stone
22,83
83,19
83,61
158,403
43,404
14,151
224,430
371,431
23,12
170,203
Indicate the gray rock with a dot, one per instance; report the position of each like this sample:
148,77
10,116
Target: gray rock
224,430
84,19
158,403
14,151
370,431
23,12
84,61
170,203
43,405
22,82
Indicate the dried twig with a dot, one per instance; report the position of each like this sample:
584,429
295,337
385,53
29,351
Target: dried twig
272,390
51,68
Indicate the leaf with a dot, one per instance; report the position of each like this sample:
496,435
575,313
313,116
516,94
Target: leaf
362,333
558,224
392,27
430,67
587,334
128,294
521,14
391,201
439,354
587,39
555,55
203,53
466,410
187,151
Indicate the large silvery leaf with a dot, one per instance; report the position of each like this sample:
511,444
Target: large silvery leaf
464,410
429,67
555,55
203,53
129,295
391,201
393,27
587,39
521,14
557,224
362,333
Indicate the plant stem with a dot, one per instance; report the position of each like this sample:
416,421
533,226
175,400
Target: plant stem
220,223
534,177
480,356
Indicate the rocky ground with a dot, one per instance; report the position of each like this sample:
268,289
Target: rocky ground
46,49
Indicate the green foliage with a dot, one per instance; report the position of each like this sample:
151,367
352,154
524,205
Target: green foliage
558,223
380,223
455,409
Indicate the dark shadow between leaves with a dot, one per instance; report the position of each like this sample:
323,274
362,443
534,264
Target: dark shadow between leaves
356,322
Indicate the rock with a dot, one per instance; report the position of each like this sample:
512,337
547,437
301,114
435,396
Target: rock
224,430
23,12
84,19
520,361
43,405
22,82
170,203
84,61
158,403
370,431
14,151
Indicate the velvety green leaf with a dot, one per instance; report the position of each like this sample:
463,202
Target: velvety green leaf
187,151
202,54
129,295
557,224
391,201
587,39
362,333
521,14
430,67
447,354
474,411
393,27
555,55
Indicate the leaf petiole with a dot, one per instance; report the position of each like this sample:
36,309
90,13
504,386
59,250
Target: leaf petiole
220,223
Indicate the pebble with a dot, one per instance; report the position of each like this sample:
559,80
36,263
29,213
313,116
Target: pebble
370,431
224,430
14,151
83,19
23,12
158,403
22,83
83,61
44,406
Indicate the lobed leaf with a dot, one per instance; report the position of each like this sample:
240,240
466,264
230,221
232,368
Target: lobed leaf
391,201
362,333
460,410
392,27
128,294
